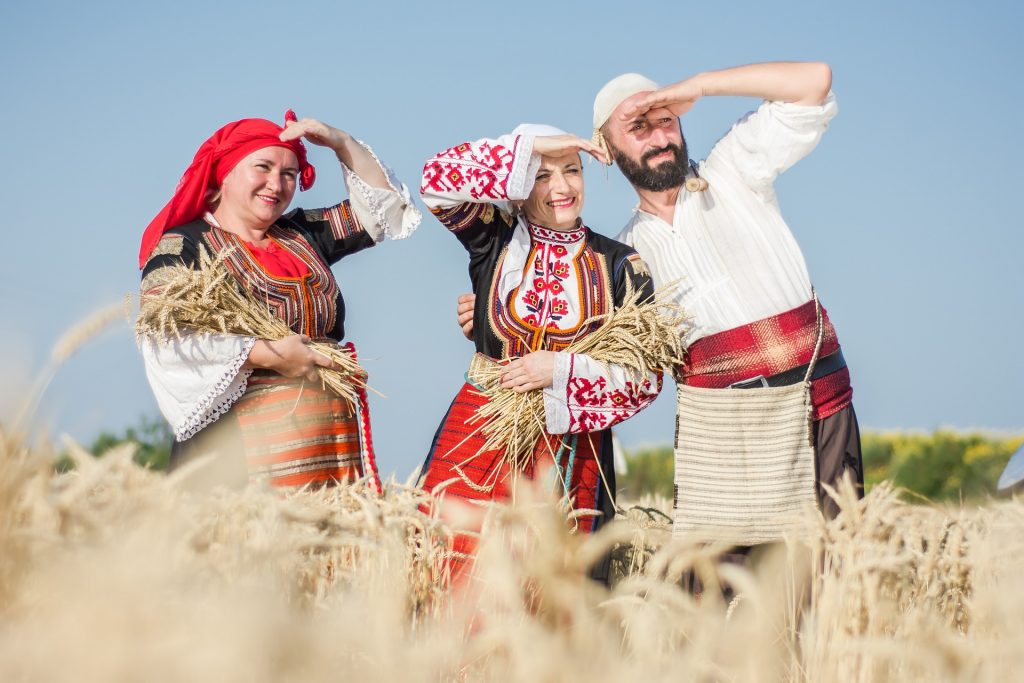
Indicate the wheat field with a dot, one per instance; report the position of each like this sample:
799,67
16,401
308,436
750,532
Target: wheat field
111,572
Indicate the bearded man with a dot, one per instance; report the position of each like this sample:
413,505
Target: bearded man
715,228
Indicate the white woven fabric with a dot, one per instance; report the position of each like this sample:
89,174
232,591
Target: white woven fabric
744,463
383,212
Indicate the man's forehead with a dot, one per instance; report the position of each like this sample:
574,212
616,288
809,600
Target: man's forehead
624,104
618,115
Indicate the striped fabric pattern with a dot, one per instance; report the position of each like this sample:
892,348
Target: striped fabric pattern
297,433
767,347
307,304
744,463
343,221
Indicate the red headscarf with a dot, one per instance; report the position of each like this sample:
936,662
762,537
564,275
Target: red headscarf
214,160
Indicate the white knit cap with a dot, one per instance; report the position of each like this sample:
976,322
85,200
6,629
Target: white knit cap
615,92
537,130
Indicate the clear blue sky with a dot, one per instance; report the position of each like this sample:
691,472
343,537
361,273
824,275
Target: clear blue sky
908,212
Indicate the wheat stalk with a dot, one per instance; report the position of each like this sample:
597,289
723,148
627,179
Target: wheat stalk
642,337
209,299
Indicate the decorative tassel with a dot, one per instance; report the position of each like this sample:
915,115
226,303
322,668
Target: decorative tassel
308,175
696,184
369,457
598,139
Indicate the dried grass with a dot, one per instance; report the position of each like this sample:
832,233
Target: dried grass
641,337
208,299
112,572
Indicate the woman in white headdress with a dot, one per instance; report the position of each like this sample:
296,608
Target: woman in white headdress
540,276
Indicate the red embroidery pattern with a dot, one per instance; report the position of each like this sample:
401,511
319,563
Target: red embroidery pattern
520,336
542,297
593,407
543,234
484,168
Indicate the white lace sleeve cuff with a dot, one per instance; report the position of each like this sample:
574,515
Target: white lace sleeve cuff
556,407
383,212
197,378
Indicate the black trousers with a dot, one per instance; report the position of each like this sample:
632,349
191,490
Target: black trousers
836,441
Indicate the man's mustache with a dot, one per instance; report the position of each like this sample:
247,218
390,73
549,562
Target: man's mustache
655,152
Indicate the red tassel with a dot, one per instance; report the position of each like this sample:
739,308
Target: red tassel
307,178
364,415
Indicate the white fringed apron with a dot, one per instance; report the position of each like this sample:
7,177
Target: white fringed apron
744,460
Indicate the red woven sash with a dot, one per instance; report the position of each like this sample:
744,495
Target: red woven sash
767,347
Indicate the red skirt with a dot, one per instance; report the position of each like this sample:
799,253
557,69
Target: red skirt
456,469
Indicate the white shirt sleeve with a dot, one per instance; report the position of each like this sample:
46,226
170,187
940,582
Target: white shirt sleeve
383,212
197,378
766,142
587,396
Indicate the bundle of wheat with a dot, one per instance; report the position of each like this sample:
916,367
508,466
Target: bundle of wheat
208,299
642,337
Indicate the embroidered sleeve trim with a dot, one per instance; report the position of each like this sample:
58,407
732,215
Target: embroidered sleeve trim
169,245
343,220
461,216
228,388
597,400
477,171
154,280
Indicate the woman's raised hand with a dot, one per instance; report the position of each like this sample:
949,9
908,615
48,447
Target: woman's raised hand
290,356
557,145
349,152
315,132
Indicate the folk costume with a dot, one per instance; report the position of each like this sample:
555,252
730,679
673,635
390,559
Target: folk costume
292,432
535,289
755,322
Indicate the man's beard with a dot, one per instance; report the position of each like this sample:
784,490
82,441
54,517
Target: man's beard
666,175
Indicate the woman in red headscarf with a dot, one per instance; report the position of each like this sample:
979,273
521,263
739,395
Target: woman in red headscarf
249,399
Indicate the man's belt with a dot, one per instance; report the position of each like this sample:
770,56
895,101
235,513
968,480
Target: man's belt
825,366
